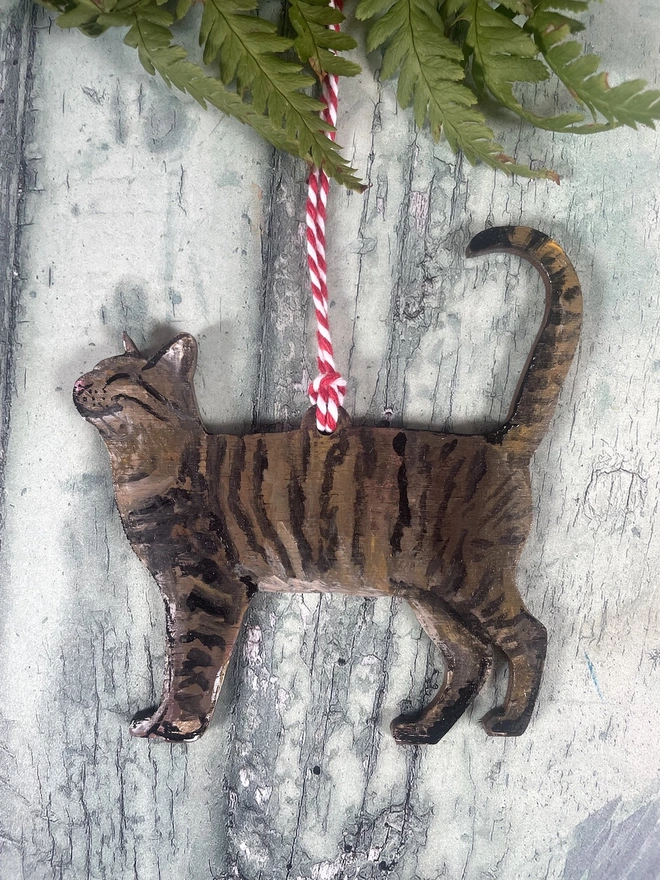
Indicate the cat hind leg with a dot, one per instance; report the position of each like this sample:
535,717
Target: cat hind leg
467,662
523,640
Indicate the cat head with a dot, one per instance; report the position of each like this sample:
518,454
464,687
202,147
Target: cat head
129,393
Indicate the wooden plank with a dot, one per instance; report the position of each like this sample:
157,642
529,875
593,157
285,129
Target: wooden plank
144,214
16,52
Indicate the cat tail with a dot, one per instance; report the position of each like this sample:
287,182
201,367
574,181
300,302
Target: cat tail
547,365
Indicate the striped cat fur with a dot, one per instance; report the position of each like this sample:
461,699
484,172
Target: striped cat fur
438,519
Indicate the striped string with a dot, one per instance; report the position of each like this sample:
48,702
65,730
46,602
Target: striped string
328,389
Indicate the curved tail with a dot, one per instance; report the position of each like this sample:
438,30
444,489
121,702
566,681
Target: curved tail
547,365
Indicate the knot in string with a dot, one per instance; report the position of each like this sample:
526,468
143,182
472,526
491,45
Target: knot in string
327,393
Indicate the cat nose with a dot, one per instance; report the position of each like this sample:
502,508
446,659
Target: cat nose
81,385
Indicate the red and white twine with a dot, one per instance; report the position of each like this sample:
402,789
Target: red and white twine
328,389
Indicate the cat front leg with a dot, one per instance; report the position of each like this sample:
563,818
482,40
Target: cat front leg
202,628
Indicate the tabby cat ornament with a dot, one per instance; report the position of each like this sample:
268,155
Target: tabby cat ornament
438,519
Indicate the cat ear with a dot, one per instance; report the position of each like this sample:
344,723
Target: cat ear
129,346
180,355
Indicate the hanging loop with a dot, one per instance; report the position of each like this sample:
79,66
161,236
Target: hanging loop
327,392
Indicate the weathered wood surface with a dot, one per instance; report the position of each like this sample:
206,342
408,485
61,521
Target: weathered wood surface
125,207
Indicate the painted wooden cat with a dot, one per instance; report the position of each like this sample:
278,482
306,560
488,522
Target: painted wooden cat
438,519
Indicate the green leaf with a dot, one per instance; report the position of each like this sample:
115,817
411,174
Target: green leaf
627,104
505,54
116,19
182,9
430,43
369,8
520,7
431,78
552,27
574,6
85,12
291,126
549,26
451,8
55,5
93,18
246,47
316,42
243,41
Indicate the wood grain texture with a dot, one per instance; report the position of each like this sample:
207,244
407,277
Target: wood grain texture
139,212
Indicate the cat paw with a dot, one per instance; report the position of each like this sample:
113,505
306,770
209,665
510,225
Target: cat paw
407,732
145,720
495,723
154,725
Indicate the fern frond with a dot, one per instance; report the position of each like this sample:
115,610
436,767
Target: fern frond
431,77
432,44
574,6
505,54
627,104
243,41
81,14
246,47
296,128
61,6
451,8
317,43
519,7
182,9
